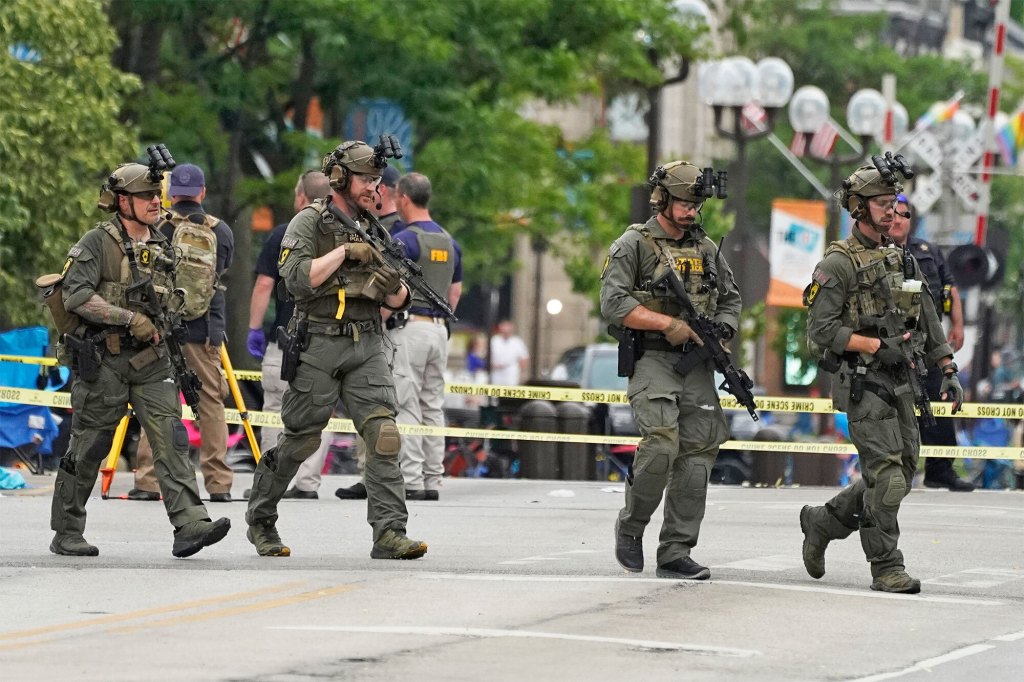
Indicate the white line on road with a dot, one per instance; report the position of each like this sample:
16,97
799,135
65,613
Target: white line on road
518,577
776,562
929,663
1012,637
491,632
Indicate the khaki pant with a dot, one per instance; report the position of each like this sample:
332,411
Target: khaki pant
421,356
217,475
682,425
97,407
308,477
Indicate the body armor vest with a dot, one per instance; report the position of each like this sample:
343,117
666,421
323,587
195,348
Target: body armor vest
351,277
116,274
437,259
872,267
695,264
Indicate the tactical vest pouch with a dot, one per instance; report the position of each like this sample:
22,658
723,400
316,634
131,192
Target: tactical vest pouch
50,286
86,358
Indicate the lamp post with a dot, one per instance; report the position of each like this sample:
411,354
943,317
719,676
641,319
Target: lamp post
753,94
865,116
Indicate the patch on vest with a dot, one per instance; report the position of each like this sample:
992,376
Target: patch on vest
691,265
438,256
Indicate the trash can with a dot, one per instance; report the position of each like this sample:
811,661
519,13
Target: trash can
576,459
817,469
538,458
768,468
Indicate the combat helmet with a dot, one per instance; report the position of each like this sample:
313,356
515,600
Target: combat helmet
352,156
678,179
128,178
878,179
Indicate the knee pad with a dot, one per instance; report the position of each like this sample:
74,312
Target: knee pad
892,490
382,438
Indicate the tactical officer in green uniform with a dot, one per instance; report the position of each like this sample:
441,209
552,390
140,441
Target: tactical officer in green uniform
121,359
339,285
862,280
679,417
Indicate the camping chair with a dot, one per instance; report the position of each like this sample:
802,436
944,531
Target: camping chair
28,430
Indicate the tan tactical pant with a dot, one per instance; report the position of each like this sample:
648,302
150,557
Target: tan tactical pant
681,426
421,356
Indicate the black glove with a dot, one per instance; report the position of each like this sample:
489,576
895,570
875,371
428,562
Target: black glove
890,353
952,390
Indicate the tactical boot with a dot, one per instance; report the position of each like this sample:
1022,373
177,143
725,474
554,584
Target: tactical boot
195,535
629,551
72,544
819,527
395,545
683,569
267,540
896,581
354,492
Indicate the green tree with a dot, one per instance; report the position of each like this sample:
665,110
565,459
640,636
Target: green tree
59,138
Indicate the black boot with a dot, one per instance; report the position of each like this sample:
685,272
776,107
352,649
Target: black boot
629,551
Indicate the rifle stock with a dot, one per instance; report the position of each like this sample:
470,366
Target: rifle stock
392,255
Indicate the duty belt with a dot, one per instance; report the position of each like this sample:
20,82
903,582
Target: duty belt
658,342
353,329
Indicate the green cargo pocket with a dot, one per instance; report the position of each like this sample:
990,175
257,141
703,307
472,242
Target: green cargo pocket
383,390
874,426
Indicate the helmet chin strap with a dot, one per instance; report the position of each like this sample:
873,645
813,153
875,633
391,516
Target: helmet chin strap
133,217
667,213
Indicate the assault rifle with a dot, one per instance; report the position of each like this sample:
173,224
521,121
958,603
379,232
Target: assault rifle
393,256
736,380
892,324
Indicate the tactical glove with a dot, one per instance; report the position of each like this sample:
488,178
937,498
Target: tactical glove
390,280
889,353
360,252
256,342
953,391
141,327
678,333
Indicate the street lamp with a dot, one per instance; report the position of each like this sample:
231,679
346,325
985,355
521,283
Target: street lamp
865,115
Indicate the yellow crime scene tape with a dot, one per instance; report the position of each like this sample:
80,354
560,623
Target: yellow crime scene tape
773,404
273,419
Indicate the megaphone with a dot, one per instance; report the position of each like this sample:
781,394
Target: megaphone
974,266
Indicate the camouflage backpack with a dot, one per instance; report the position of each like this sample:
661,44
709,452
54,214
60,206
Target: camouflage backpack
195,246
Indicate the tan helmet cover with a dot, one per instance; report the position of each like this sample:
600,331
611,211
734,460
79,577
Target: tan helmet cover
128,178
676,179
354,156
866,182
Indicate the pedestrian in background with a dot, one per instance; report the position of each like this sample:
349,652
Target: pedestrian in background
312,185
509,356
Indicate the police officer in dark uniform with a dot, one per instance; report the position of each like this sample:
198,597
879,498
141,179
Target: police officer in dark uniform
938,471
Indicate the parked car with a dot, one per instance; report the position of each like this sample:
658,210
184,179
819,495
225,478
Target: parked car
596,367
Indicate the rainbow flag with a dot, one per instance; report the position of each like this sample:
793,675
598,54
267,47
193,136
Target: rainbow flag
940,112
1010,138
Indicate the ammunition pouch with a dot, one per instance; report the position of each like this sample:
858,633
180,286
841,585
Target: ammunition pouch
86,356
50,287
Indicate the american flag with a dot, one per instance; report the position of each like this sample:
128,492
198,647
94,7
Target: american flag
799,145
754,118
824,141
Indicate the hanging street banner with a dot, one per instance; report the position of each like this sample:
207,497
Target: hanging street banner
797,244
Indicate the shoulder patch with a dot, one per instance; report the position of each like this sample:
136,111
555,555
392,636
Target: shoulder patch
289,242
75,251
810,293
820,277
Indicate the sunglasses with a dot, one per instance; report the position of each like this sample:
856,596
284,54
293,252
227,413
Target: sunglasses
148,195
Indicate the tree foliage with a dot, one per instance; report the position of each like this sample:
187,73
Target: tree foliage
59,138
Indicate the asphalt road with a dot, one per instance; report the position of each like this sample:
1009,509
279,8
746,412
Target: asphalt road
519,584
